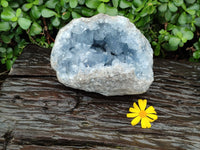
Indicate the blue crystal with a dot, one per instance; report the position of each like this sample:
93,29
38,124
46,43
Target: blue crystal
86,46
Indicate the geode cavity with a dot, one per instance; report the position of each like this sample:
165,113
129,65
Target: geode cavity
103,54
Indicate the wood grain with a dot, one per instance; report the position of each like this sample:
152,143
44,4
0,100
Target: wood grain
34,61
38,112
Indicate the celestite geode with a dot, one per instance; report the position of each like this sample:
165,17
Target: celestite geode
103,54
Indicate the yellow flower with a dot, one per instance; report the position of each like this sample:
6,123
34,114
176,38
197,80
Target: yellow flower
139,113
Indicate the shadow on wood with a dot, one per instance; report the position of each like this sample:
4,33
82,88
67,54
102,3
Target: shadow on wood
38,112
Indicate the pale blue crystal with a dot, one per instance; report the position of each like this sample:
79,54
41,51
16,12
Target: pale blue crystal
103,54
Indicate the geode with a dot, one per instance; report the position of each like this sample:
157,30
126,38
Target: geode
103,54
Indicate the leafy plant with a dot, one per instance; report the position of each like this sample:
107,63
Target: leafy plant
180,20
168,24
196,54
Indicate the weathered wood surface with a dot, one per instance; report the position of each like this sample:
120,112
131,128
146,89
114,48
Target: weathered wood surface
39,113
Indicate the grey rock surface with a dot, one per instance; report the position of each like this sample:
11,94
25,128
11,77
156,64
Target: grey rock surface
103,54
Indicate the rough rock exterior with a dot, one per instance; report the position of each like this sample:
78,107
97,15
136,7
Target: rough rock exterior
103,54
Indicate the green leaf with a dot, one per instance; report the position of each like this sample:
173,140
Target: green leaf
17,39
197,45
168,47
182,18
181,44
4,26
9,53
56,22
81,2
112,11
179,34
27,6
87,12
188,35
166,37
137,3
35,29
143,13
115,3
105,1
18,12
168,15
3,61
35,12
14,19
16,51
170,27
176,31
36,2
150,9
196,54
24,23
174,41
66,15
191,12
178,2
124,4
14,4
172,7
162,7
75,15
157,50
4,3
174,18
192,27
9,64
5,38
40,2
7,14
143,21
13,59
51,4
19,31
14,24
47,13
101,8
92,3
194,7
183,39
184,6
73,3
163,1
197,22
2,52
190,1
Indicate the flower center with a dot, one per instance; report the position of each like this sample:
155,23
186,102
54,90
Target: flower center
142,114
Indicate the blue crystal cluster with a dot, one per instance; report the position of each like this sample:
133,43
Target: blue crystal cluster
102,43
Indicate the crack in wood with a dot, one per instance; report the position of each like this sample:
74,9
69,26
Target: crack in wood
64,142
8,136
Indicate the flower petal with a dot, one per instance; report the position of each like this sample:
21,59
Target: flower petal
145,123
136,106
150,110
132,115
152,116
131,109
150,120
135,121
142,104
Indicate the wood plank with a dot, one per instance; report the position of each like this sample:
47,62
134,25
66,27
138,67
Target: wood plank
38,112
34,61
36,147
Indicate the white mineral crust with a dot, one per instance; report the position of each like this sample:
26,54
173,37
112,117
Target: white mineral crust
103,54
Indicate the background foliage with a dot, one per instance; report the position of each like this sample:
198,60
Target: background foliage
168,24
